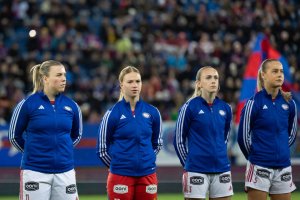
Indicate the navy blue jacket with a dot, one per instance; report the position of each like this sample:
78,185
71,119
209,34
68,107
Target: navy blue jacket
46,134
267,129
201,136
128,143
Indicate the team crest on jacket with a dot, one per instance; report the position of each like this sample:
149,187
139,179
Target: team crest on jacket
67,108
146,115
285,106
222,112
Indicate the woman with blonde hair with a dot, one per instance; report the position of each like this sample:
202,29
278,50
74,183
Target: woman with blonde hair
267,129
45,127
129,140
200,140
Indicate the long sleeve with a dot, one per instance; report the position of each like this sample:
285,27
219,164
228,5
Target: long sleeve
105,131
181,132
76,126
292,123
18,125
228,124
157,132
244,132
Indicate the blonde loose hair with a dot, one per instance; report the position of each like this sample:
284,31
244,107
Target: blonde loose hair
125,71
260,81
40,70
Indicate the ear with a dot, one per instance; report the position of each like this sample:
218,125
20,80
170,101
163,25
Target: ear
262,75
198,84
45,78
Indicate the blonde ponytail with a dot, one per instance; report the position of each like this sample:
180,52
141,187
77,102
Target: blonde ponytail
36,78
286,95
197,91
260,80
121,96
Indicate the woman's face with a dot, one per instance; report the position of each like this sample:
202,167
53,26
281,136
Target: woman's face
131,85
273,76
56,80
209,80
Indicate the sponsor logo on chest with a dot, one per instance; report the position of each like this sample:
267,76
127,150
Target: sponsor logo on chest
222,112
285,106
67,108
146,115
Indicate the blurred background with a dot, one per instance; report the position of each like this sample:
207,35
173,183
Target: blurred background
167,40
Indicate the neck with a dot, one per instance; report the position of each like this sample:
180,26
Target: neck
50,95
132,101
209,97
272,91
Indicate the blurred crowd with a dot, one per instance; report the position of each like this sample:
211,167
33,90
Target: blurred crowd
168,40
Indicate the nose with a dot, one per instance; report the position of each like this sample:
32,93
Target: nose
135,84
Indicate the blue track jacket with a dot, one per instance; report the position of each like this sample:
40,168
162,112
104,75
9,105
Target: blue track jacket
267,129
201,135
128,143
46,134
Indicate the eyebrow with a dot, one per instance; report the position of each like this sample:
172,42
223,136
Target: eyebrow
209,75
59,73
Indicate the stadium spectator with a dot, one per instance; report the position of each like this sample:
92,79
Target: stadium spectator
129,139
159,36
267,129
44,127
200,140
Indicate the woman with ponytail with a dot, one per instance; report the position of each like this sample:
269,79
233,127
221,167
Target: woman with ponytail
45,127
200,141
129,140
267,129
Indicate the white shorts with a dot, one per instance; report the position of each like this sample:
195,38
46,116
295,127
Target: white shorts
273,181
36,186
197,185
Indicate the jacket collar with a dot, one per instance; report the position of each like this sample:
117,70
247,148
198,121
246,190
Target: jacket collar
216,100
44,96
127,102
264,91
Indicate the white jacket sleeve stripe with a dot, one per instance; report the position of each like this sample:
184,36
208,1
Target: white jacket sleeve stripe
293,133
159,140
80,126
102,140
246,125
179,131
12,128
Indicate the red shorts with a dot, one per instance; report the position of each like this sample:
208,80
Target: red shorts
131,187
